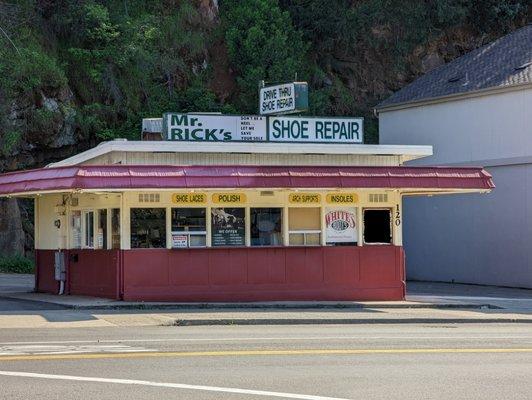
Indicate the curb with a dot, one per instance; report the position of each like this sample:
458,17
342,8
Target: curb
260,306
237,306
341,321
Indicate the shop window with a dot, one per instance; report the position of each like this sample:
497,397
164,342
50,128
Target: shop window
228,227
189,228
266,226
148,228
377,226
101,233
115,228
341,226
304,226
88,229
76,229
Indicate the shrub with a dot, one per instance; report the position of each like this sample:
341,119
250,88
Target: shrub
16,265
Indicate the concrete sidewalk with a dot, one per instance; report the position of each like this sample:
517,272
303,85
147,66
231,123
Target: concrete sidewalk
427,295
426,303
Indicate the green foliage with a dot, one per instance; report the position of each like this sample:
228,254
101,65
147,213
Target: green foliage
128,59
16,265
262,45
10,140
29,71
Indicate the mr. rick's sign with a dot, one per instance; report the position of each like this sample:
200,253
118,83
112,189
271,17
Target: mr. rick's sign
243,128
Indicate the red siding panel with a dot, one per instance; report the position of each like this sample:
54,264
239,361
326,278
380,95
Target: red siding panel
45,272
264,274
95,273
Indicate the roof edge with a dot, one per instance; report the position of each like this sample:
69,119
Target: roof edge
409,151
452,97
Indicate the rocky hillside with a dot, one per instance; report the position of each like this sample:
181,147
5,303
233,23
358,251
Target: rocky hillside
73,73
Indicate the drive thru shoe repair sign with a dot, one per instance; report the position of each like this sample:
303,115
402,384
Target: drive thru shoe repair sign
286,98
241,128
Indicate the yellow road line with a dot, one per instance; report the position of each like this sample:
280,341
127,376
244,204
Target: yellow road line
255,353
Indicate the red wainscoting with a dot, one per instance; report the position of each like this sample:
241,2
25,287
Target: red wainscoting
264,274
44,272
231,274
94,273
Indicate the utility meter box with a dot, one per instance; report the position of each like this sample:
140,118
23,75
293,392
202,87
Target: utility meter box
59,266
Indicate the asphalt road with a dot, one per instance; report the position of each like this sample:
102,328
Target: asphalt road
260,362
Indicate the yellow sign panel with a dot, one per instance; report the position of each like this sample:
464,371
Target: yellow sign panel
189,198
304,198
229,197
342,198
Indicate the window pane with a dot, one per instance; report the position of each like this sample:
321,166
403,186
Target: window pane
188,219
313,239
198,240
297,239
377,227
89,229
76,229
304,219
228,226
102,229
115,228
148,228
266,227
340,226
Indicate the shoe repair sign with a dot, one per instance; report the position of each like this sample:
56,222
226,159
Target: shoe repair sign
242,128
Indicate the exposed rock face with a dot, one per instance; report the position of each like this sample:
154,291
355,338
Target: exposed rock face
431,61
209,9
12,235
50,136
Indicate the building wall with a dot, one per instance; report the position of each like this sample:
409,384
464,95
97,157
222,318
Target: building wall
239,273
483,239
487,129
145,158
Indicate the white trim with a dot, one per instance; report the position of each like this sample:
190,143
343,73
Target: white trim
452,97
406,152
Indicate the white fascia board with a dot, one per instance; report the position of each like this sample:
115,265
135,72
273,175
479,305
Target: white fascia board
407,152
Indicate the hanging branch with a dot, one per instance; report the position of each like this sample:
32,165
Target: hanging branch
10,41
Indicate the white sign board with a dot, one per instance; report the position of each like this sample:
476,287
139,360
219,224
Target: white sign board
179,241
340,225
277,99
315,129
214,128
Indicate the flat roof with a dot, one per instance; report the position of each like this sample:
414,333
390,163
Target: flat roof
406,152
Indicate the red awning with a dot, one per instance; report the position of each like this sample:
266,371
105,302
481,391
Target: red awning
191,177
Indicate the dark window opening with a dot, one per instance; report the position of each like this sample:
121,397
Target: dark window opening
102,229
115,228
266,226
377,226
189,227
188,219
148,228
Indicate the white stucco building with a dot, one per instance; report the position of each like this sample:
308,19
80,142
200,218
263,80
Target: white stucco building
475,110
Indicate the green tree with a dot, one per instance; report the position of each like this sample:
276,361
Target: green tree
262,45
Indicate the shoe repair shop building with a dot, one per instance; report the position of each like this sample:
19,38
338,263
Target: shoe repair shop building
276,209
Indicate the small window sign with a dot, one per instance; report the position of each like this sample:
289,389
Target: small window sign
179,241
